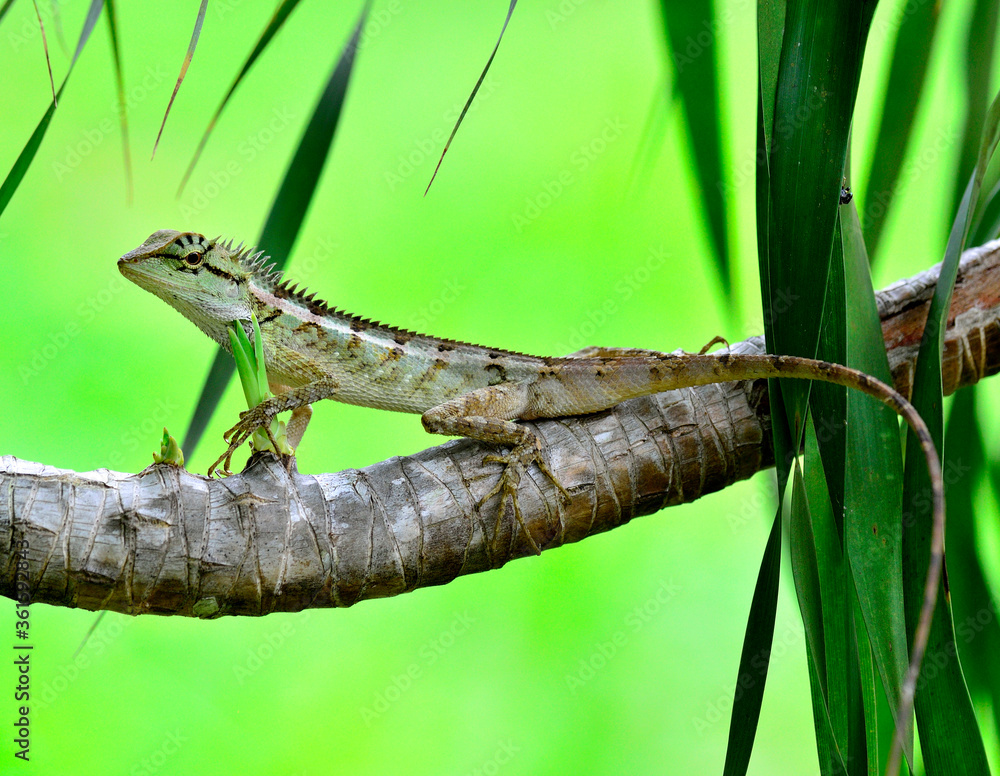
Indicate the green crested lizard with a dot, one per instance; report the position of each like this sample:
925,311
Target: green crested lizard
314,352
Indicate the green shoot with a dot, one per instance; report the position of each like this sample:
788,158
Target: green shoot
170,452
252,370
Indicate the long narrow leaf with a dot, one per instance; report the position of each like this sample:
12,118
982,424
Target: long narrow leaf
24,159
949,737
831,760
869,700
45,48
902,96
986,226
974,606
4,8
760,622
184,67
281,14
472,96
122,105
696,80
288,211
874,478
807,164
977,64
814,85
818,567
755,658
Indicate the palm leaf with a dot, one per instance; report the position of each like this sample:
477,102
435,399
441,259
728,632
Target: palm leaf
122,106
696,80
978,632
911,55
949,736
754,659
195,35
281,14
45,48
27,155
472,96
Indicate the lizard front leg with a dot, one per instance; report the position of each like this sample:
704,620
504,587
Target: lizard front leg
262,415
487,415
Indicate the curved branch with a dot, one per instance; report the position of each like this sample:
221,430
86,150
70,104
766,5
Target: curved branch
168,541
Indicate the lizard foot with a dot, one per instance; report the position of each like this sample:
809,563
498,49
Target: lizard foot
250,420
515,463
716,340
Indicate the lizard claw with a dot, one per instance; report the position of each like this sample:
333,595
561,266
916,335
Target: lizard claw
250,420
515,463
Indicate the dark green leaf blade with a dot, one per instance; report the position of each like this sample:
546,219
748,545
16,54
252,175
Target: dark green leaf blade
977,64
472,96
4,8
974,607
122,106
770,27
949,736
869,753
696,80
770,34
281,14
987,224
195,35
27,155
902,96
821,54
804,549
755,658
869,470
287,212
814,89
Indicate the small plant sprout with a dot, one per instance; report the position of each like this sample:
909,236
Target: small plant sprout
253,376
170,452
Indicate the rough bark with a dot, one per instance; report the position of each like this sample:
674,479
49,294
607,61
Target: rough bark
168,541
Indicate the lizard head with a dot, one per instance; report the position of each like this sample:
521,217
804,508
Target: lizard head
205,280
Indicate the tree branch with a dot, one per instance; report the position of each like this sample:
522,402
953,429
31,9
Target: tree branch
168,541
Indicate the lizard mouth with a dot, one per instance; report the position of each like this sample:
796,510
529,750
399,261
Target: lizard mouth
127,265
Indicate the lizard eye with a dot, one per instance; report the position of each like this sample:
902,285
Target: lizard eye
193,259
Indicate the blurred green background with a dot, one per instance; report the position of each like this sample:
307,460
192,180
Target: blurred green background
549,228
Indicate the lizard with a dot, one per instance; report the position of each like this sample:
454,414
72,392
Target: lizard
314,351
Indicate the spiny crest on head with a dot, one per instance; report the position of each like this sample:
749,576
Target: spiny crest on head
262,268
256,263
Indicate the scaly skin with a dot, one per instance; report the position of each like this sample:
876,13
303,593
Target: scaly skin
315,352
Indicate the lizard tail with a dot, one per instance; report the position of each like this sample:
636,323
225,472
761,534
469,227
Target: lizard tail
710,369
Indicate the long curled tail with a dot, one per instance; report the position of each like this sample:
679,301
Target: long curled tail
699,369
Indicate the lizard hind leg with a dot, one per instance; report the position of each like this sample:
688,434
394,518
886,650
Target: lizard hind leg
487,415
716,340
295,429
